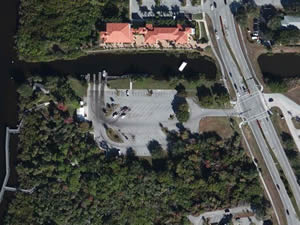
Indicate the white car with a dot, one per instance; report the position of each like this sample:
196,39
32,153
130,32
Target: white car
123,115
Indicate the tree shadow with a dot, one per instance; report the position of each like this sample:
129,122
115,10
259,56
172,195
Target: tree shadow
144,10
175,9
158,155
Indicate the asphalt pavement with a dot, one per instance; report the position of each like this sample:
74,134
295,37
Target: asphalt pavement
251,103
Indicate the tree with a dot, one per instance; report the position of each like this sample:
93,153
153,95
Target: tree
200,172
155,149
274,23
183,112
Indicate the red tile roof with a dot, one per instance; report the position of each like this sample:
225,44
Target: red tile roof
122,33
176,34
117,33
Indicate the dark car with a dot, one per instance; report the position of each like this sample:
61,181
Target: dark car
215,4
115,114
278,186
235,86
225,2
271,99
125,109
103,145
230,74
287,212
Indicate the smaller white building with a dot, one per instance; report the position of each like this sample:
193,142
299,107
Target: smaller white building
291,20
82,111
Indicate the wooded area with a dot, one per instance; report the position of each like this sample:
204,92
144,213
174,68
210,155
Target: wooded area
56,29
77,183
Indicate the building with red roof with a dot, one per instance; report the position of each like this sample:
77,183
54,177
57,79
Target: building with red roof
119,33
178,34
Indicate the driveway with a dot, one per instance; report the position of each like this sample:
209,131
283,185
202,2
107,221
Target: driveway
289,109
216,216
167,8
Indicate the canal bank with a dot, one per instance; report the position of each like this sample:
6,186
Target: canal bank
154,63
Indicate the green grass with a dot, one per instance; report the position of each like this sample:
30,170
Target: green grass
197,31
150,83
79,87
119,83
203,31
197,16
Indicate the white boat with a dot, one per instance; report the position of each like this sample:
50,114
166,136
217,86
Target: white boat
182,66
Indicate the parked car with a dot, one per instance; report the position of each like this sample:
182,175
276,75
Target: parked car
123,115
114,115
235,86
125,109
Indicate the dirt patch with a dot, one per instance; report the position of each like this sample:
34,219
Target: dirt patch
294,94
267,178
221,125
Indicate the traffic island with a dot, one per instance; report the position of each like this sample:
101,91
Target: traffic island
113,135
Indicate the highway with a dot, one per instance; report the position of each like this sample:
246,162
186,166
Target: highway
251,103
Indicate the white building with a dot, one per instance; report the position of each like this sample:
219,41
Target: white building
291,20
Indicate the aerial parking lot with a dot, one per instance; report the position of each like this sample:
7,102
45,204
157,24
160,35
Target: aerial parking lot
137,117
141,123
166,8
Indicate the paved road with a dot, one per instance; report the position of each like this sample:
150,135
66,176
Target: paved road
252,106
289,109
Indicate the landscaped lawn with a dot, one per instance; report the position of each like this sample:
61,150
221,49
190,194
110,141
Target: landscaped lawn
203,31
150,83
119,83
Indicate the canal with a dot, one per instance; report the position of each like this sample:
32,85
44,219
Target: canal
280,65
160,64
